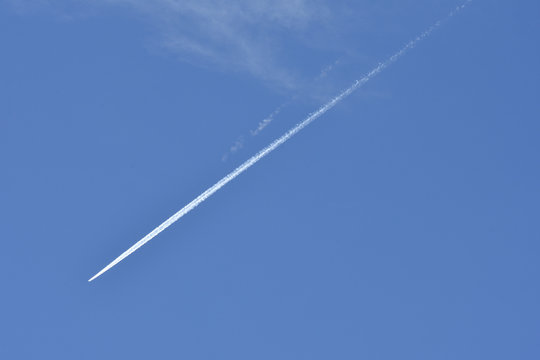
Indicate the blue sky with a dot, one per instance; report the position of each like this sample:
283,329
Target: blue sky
402,224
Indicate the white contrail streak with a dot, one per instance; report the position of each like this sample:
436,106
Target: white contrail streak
274,145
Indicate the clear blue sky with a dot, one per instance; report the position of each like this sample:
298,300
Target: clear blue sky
404,224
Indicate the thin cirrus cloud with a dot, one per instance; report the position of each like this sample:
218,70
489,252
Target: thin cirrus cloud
237,35
254,37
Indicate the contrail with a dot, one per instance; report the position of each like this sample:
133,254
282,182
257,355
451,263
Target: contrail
276,143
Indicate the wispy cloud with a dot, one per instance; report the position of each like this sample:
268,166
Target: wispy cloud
238,144
251,36
242,35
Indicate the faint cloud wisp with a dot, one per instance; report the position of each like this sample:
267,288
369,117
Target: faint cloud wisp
242,35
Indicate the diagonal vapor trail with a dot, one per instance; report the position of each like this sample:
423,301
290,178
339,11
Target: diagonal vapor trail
276,143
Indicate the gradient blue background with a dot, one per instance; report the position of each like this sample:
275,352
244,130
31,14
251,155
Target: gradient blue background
404,224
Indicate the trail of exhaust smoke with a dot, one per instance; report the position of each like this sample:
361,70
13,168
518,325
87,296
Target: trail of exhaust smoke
276,143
